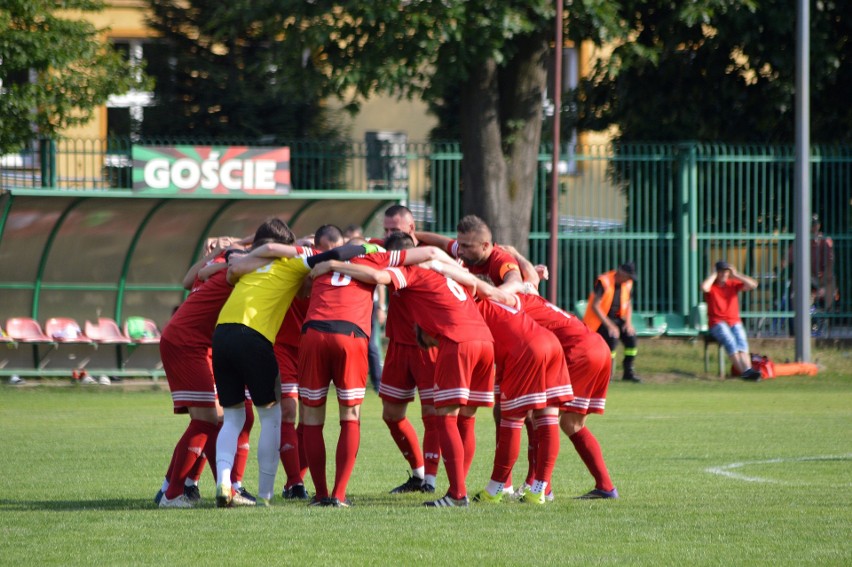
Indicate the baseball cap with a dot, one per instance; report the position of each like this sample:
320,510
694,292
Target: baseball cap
629,268
722,265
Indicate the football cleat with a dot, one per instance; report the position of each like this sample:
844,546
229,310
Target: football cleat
179,501
483,497
317,501
223,496
427,488
530,497
192,493
295,492
598,494
158,497
522,489
413,484
448,502
337,503
243,497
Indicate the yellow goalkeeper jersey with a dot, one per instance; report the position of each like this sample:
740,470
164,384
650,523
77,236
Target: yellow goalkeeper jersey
261,298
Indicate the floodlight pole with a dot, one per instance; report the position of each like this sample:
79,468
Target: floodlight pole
553,253
802,200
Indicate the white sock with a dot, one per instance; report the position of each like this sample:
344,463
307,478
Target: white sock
418,472
190,482
538,486
267,449
430,479
165,486
226,443
494,488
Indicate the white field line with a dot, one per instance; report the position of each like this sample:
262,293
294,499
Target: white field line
730,470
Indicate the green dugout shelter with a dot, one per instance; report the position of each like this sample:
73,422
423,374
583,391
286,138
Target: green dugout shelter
86,254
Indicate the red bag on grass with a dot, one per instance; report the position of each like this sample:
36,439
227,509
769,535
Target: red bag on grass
765,366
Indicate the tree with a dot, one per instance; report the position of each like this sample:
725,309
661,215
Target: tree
490,55
231,75
713,70
54,69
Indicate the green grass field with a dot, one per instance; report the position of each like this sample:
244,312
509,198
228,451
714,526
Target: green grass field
80,466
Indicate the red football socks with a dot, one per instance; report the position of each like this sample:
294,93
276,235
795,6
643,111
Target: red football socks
508,448
314,444
531,450
347,451
467,430
187,451
243,446
452,450
405,437
547,446
289,452
431,445
589,449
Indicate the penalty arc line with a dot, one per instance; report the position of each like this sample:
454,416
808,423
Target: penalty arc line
729,470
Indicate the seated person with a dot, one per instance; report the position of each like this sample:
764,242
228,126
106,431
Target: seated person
721,292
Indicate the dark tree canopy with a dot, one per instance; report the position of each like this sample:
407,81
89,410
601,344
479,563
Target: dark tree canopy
54,68
231,74
714,70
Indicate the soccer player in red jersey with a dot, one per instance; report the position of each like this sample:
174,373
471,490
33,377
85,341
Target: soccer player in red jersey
464,378
184,350
243,353
409,367
291,450
531,377
507,269
589,362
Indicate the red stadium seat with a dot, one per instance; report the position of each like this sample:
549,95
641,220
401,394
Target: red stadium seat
106,331
26,330
65,330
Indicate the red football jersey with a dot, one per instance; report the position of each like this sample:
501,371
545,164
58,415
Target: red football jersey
551,317
512,330
290,332
498,264
399,326
193,323
438,304
337,297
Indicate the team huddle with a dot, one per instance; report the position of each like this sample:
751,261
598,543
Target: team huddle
465,328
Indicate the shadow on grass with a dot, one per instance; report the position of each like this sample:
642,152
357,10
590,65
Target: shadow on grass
7,505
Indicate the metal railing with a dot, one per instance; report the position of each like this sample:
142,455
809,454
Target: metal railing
674,209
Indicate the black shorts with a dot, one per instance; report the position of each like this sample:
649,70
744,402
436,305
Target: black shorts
243,358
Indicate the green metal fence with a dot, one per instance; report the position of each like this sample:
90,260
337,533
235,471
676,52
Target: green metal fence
674,209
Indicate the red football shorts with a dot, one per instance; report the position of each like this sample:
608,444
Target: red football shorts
590,363
288,367
536,378
326,358
464,374
408,367
190,376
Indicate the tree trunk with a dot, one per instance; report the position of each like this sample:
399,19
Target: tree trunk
501,133
483,165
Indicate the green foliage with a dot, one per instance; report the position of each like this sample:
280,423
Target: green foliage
72,70
83,474
408,48
231,73
712,70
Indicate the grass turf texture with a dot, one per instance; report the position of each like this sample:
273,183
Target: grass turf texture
80,466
